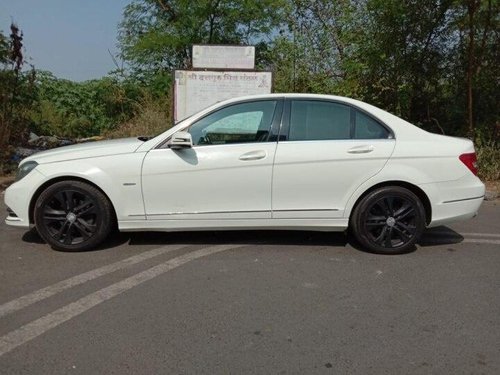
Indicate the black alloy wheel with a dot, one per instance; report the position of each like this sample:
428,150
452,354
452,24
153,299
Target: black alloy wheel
389,220
73,216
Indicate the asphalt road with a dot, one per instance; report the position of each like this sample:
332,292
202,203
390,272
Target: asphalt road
253,303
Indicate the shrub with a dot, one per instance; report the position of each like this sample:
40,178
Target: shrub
152,116
488,155
82,109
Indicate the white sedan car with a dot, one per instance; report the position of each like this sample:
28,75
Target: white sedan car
280,161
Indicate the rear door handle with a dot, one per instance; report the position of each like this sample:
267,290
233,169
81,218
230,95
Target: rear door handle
253,155
361,149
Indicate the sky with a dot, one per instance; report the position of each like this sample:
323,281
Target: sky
70,38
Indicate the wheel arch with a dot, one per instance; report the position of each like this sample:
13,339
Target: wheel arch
46,184
413,188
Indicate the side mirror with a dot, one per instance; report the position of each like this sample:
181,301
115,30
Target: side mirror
180,140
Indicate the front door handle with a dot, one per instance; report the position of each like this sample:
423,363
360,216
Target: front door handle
253,155
364,149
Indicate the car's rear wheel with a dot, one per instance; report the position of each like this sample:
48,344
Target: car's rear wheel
389,220
73,216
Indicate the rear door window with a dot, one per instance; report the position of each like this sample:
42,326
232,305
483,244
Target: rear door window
312,120
367,128
317,120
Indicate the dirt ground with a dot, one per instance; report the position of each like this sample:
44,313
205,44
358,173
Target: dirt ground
5,181
493,186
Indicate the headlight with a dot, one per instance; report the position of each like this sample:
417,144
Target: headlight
25,168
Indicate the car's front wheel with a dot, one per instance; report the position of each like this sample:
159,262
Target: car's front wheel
73,216
388,220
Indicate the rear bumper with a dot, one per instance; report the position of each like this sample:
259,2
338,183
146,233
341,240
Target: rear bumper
447,213
454,200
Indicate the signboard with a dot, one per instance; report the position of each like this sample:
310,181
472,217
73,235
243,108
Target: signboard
196,90
223,57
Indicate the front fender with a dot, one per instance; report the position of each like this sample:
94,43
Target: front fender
118,176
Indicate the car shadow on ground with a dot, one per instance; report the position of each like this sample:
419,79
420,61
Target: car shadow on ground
250,237
432,237
114,240
440,236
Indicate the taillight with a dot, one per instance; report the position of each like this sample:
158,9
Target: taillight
470,161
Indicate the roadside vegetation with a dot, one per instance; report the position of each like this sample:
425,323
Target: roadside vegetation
431,62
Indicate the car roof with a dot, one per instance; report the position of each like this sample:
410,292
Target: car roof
358,103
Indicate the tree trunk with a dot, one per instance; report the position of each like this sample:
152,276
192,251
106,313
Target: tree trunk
472,7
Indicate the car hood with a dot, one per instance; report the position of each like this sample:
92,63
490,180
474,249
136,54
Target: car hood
86,150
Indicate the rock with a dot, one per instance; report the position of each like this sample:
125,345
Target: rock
50,142
45,142
33,137
66,142
21,153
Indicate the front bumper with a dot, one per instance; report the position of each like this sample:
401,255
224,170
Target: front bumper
18,196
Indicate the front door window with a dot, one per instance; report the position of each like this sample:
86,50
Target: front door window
240,123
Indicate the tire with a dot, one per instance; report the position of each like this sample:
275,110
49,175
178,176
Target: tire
73,216
389,220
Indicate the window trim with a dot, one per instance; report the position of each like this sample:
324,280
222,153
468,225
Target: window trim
273,129
285,128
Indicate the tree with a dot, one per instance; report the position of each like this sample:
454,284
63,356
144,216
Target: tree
479,22
413,58
155,36
313,50
406,57
17,89
432,62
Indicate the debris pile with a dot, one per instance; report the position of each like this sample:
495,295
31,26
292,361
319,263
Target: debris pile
45,142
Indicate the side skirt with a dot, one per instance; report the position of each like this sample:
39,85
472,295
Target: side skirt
324,225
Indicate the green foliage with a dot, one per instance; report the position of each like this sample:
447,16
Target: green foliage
82,109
